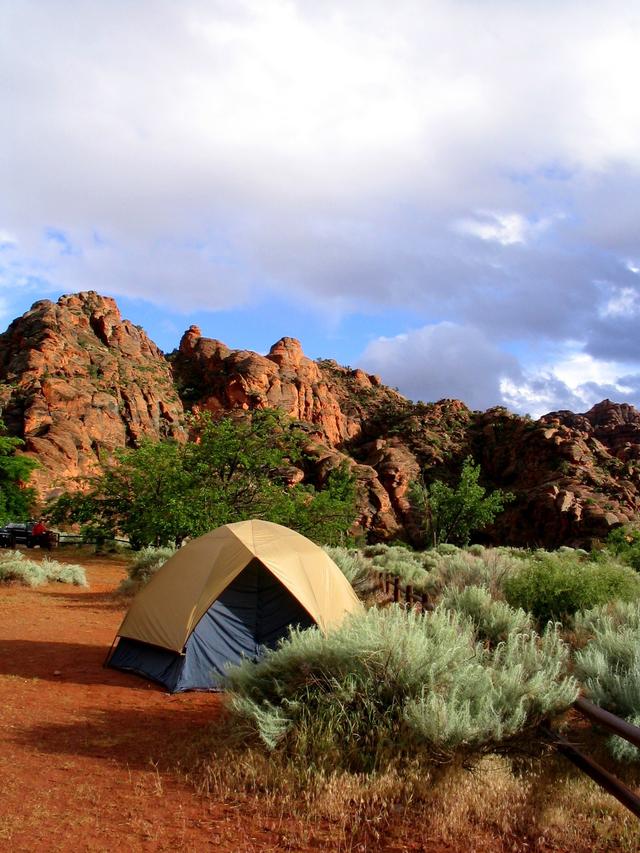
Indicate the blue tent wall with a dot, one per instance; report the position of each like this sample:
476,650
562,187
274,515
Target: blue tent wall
251,614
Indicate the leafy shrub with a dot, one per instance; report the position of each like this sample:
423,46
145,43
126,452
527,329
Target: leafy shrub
144,565
15,567
624,543
407,565
465,568
554,586
353,565
390,682
493,620
609,666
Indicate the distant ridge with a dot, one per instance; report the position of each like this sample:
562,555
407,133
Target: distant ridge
76,380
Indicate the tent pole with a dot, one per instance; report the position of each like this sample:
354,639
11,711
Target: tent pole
110,652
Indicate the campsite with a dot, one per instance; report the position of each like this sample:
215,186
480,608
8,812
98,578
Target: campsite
98,759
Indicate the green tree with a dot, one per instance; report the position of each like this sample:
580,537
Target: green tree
624,542
234,469
452,514
16,496
141,493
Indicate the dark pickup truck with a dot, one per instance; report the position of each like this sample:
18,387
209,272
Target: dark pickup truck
20,534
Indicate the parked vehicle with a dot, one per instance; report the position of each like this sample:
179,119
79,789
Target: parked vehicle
21,533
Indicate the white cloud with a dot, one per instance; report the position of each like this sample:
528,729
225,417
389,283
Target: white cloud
505,228
441,360
623,303
573,380
226,150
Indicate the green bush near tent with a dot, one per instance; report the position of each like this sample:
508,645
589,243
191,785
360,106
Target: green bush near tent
391,682
144,564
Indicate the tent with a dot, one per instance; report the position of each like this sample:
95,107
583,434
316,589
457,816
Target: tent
226,596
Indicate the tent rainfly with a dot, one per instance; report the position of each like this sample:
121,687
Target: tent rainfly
225,596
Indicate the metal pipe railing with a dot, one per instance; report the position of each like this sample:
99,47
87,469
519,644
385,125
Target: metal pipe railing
600,776
608,721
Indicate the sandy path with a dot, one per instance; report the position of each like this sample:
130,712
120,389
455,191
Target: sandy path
85,751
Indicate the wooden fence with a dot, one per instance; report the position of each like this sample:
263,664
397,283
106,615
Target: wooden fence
390,585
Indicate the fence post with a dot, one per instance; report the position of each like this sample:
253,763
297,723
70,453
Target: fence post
409,595
396,589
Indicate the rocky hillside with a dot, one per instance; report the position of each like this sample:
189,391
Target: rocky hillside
76,381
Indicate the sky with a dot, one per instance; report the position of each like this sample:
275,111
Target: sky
443,192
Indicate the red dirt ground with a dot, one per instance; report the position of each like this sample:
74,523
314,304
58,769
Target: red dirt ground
79,742
88,755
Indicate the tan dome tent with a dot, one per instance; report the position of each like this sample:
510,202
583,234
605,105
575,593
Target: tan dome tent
227,596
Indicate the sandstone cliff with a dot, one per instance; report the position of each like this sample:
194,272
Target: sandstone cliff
77,380
333,401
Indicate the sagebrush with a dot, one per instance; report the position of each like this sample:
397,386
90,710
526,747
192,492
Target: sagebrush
392,682
144,564
14,566
609,665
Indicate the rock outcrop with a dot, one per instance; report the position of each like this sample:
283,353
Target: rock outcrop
334,399
76,380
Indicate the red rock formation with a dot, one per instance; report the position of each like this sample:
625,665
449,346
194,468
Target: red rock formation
335,399
76,380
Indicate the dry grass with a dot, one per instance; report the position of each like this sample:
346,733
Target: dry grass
500,803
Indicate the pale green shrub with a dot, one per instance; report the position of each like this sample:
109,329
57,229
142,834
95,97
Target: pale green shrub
15,567
446,549
407,565
607,618
391,682
493,620
375,550
476,550
144,564
609,665
64,572
462,569
353,564
515,686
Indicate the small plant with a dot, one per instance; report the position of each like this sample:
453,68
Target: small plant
553,586
144,565
493,621
15,567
